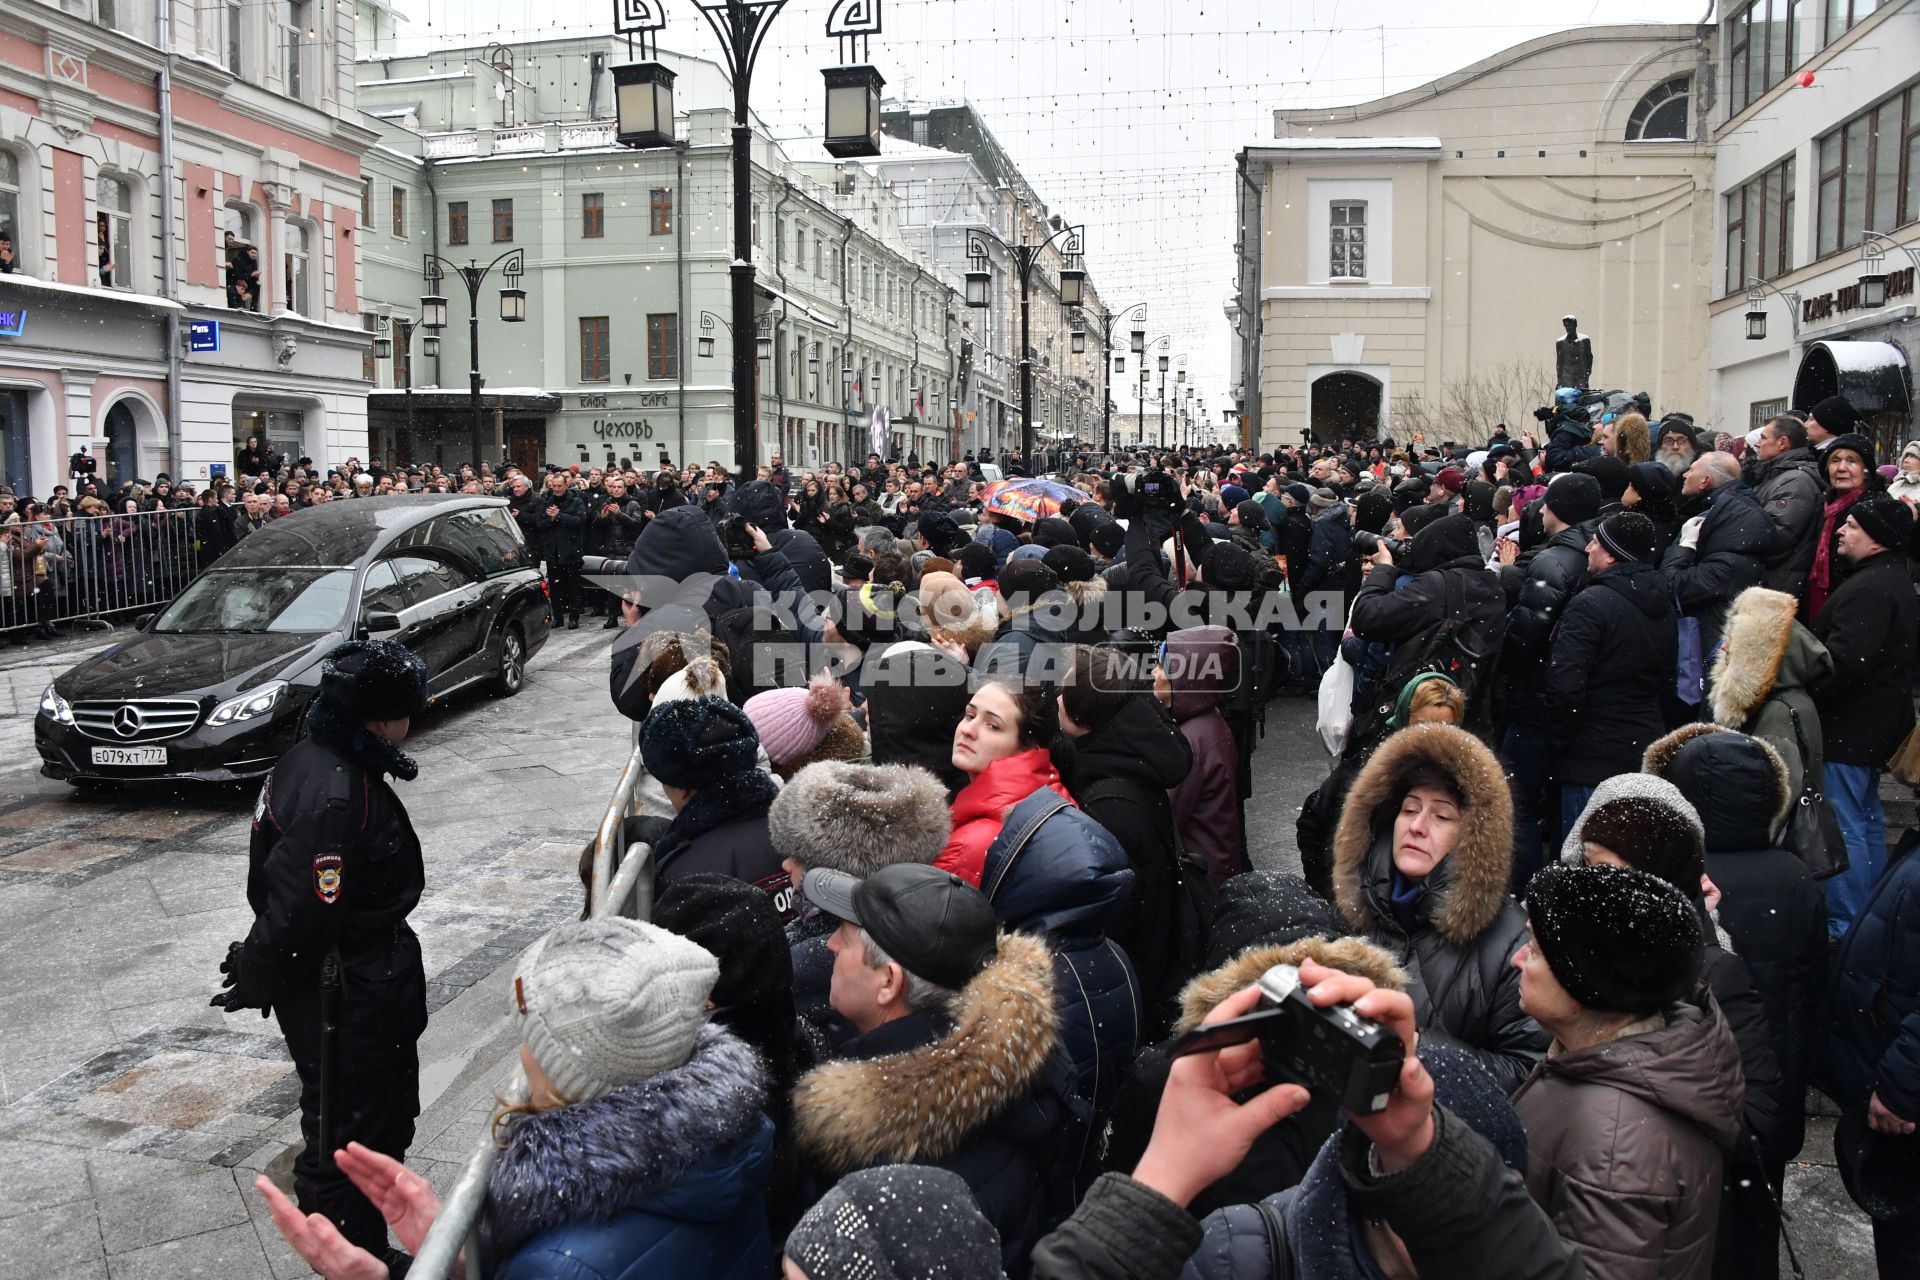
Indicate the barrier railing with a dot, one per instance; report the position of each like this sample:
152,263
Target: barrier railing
618,882
84,570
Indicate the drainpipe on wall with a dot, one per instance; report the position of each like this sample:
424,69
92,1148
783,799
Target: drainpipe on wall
433,221
780,269
846,352
169,268
680,290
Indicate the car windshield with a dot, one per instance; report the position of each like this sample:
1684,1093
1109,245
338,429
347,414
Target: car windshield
256,600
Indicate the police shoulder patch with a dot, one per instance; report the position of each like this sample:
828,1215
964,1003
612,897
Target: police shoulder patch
327,869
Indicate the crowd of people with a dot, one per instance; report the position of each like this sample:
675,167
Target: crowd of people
940,906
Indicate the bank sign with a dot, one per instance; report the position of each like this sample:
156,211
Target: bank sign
13,322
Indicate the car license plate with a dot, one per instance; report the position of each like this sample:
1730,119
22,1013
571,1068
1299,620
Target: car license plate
129,755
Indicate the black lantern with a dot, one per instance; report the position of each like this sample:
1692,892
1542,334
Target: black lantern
1079,341
706,346
764,342
643,104
1756,325
1119,364
1873,290
1073,286
853,111
513,304
431,346
979,285
813,361
1164,362
382,348
433,311
1139,340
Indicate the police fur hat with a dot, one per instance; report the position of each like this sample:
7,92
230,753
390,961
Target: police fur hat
374,680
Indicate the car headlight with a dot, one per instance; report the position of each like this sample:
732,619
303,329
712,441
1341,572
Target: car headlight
248,706
55,707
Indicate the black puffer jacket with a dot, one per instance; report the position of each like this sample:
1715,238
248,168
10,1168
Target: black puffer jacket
1459,950
1609,675
1734,541
723,830
1444,553
1772,910
558,540
1868,625
1054,871
1120,776
1539,591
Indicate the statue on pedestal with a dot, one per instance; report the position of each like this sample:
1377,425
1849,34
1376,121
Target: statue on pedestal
1573,357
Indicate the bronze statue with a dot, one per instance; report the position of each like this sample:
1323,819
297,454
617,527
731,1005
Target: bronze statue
1573,357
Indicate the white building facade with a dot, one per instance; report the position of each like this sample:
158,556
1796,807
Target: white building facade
1805,176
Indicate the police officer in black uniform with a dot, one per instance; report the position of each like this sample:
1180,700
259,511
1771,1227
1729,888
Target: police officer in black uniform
333,871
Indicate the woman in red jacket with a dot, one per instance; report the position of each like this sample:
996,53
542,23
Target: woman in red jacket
1001,745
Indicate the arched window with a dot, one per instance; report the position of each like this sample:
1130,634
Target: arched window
11,239
1662,114
113,232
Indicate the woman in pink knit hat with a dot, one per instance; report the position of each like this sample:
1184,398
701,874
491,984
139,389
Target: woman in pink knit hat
799,726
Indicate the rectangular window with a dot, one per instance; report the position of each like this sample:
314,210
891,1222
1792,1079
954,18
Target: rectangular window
297,22
294,262
1761,412
1867,179
502,221
1843,16
457,222
756,226
663,345
593,216
366,204
594,365
819,258
799,246
398,210
660,211
1762,48
10,214
106,13
233,12
1760,227
114,233
1347,240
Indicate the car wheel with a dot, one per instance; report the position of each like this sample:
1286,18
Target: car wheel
510,672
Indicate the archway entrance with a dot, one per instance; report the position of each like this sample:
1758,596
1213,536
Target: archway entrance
123,447
1345,404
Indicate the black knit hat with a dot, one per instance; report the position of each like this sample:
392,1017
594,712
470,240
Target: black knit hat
1888,521
740,925
896,1222
1055,532
1836,414
1107,538
1414,519
1267,909
1629,536
1069,563
1618,940
698,742
1025,581
1574,497
1372,510
1230,566
1253,516
374,680
1609,472
1651,480
941,533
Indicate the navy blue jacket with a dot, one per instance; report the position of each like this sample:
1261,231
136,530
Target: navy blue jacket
1872,1012
1055,871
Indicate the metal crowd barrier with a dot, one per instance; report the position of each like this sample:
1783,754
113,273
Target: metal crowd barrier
621,885
83,570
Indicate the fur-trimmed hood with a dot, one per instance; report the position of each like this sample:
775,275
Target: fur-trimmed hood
1723,776
1472,880
919,1106
1351,955
1086,595
697,1128
1763,648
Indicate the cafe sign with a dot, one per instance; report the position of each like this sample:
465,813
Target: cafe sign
1847,297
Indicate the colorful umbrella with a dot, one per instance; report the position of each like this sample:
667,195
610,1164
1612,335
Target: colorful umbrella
1031,500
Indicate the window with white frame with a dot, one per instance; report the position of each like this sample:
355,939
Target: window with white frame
1347,240
296,24
113,232
12,242
232,14
294,267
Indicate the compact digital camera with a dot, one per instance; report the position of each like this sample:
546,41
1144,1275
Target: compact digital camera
1332,1051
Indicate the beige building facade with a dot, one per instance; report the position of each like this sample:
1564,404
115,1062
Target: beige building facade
1405,264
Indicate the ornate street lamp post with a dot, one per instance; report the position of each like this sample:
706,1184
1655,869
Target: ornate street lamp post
513,310
1026,257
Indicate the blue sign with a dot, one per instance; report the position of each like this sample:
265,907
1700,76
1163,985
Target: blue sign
13,323
216,470
203,335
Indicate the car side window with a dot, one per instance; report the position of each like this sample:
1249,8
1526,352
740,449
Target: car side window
436,575
487,543
381,592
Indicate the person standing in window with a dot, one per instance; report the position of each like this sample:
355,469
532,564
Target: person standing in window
9,261
102,234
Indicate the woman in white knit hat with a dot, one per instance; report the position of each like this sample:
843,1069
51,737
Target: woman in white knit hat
643,1148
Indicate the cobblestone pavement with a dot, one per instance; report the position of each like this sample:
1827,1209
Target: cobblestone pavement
133,1118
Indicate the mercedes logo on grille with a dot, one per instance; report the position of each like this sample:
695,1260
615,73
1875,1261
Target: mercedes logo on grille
126,721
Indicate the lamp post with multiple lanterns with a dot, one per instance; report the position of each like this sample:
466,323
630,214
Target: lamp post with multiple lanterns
1114,364
383,348
643,103
1073,281
513,310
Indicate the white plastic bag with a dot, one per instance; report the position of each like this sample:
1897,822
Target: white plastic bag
1336,705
